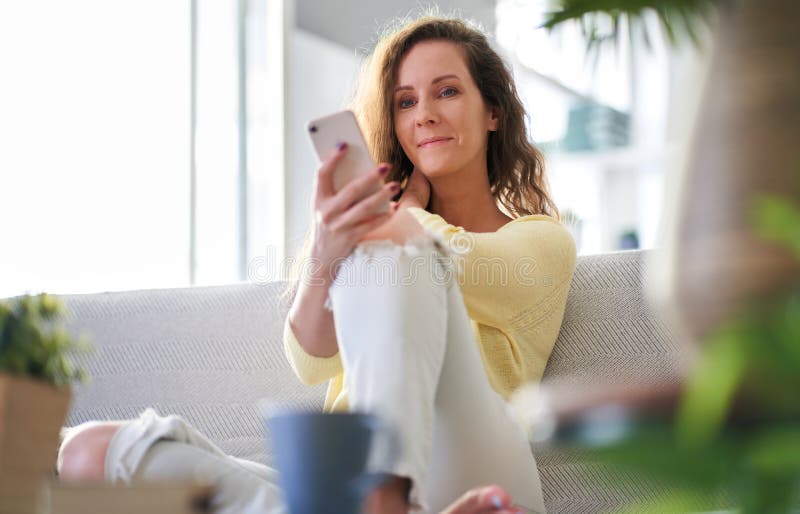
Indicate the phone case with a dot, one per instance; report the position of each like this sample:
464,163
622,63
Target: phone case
327,132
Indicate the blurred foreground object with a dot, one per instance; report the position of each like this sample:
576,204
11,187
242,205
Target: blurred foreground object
35,378
745,144
731,280
728,437
150,498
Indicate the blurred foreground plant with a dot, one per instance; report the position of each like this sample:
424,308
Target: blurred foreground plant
603,21
737,429
33,345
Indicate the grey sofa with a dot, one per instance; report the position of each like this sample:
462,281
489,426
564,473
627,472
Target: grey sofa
211,354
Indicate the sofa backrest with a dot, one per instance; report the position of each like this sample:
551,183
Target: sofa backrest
610,331
211,354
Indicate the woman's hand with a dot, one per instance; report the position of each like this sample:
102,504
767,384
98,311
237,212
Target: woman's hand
483,500
418,190
340,220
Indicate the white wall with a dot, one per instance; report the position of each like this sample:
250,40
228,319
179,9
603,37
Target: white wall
321,76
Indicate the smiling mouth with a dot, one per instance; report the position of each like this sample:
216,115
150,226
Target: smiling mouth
434,142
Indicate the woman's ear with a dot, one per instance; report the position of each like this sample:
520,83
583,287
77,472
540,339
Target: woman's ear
494,119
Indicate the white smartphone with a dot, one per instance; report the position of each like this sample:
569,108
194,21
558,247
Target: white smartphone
326,133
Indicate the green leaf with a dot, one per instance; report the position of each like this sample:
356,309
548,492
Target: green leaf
711,386
776,451
50,307
777,219
673,502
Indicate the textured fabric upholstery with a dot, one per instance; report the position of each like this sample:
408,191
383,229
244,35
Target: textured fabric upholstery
610,333
212,354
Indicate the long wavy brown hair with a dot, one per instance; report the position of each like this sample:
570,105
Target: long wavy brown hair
516,168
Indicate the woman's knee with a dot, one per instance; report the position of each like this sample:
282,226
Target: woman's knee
82,454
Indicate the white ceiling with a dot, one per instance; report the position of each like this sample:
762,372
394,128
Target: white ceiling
354,24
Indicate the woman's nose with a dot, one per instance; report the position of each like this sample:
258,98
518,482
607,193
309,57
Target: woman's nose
426,115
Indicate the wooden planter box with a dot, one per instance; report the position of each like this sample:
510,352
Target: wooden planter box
31,416
138,498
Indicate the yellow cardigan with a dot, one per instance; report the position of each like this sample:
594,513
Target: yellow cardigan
516,315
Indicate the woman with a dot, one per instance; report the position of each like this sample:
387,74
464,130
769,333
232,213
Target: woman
428,315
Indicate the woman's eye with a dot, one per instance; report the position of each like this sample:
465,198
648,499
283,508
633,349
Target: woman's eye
405,103
448,91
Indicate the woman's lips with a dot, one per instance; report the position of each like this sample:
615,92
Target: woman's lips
436,141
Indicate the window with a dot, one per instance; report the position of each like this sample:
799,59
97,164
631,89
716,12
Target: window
102,114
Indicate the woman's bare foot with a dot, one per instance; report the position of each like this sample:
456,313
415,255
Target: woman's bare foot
483,500
390,498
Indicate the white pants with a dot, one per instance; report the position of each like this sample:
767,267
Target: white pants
410,356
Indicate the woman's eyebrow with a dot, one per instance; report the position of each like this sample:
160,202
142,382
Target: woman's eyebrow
434,81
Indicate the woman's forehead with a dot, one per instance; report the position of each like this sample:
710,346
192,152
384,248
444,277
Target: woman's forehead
430,59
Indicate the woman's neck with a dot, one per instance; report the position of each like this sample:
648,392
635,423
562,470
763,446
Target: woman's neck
466,202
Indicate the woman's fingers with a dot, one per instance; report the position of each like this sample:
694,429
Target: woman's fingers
350,194
324,182
343,217
367,207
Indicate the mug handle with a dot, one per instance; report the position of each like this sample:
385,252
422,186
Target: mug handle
372,478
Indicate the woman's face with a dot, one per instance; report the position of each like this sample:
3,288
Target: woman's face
440,117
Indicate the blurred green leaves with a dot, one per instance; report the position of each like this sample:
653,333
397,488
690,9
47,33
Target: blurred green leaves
604,20
711,387
33,344
736,434
777,220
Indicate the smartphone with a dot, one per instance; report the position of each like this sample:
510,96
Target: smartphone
326,133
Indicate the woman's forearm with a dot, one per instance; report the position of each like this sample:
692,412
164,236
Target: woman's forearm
311,323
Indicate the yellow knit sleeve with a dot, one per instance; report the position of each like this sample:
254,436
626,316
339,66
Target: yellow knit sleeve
311,370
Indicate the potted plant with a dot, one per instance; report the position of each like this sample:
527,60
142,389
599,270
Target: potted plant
35,378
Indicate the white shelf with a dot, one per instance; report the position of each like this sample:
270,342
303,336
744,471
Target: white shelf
617,159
